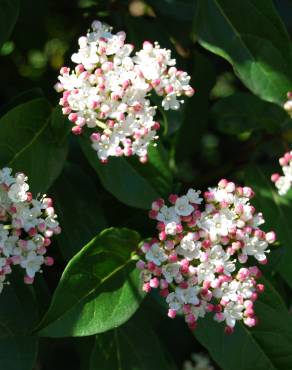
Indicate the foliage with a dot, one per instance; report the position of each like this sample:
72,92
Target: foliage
88,311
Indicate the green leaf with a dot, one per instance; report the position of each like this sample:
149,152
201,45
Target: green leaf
277,212
132,346
196,108
18,307
61,126
133,183
18,315
177,9
18,353
21,98
242,112
9,10
28,145
78,207
268,346
99,289
250,35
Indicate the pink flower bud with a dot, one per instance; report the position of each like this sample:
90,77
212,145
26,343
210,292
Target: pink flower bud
28,280
171,313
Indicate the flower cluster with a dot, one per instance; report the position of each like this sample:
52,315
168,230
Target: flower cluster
283,183
197,259
198,362
26,227
109,91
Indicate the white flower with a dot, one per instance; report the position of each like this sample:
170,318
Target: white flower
218,224
232,312
170,102
188,247
183,207
201,362
228,291
32,263
171,271
10,246
174,302
256,247
18,192
170,228
168,215
3,236
156,254
205,271
283,185
194,196
188,295
5,176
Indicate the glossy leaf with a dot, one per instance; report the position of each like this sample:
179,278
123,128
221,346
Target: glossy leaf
132,346
18,353
9,10
79,210
169,8
18,308
99,289
61,126
195,117
267,346
133,183
27,144
18,315
243,112
250,35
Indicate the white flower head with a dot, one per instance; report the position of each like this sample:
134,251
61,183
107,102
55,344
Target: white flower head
109,88
26,226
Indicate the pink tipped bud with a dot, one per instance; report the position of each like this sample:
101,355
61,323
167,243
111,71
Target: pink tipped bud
173,198
156,126
171,313
163,284
76,130
264,261
147,46
152,214
164,293
154,283
28,280
189,92
255,271
157,204
95,137
275,177
228,330
140,265
73,117
49,261
146,287
162,235
270,237
32,231
143,159
248,192
222,183
172,258
260,288
210,307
